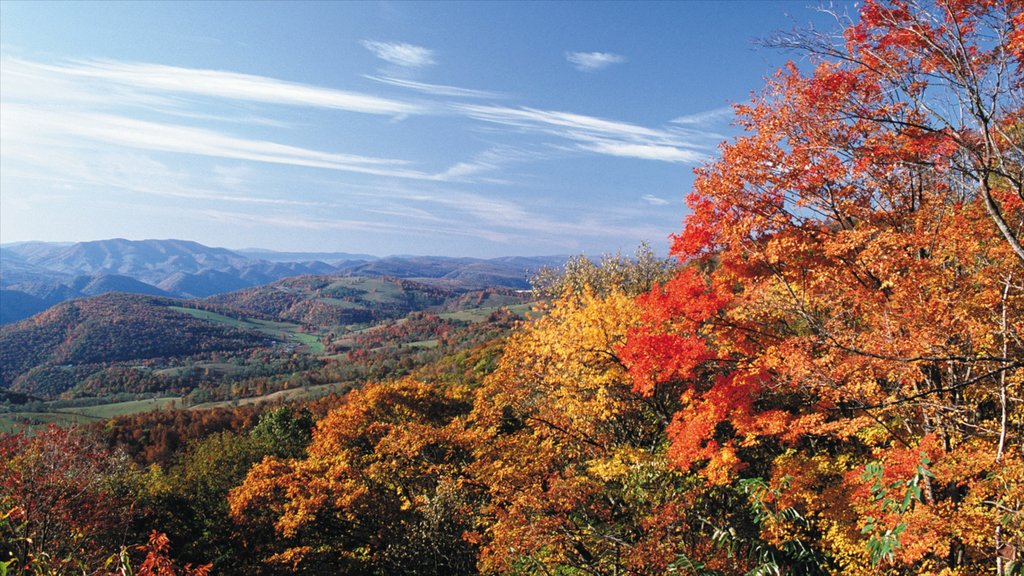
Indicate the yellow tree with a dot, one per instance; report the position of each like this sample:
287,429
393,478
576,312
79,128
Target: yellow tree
380,490
574,460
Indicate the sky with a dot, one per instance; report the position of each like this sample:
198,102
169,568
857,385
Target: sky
463,129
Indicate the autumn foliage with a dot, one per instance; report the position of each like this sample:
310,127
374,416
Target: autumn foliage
825,379
855,341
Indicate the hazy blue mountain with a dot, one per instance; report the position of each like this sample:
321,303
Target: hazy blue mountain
204,283
15,270
15,305
43,274
149,261
103,283
31,250
34,297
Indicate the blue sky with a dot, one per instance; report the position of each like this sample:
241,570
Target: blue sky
466,129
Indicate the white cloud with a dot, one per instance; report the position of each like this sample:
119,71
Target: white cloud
135,172
401,54
647,152
213,83
534,118
437,89
705,118
514,222
306,222
654,200
599,135
591,61
490,160
22,124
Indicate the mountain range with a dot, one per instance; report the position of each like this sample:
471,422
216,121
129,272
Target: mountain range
37,275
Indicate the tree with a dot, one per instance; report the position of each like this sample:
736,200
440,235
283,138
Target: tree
285,431
64,503
381,490
848,330
189,499
574,459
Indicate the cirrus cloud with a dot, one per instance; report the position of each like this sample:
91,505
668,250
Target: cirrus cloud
591,61
401,53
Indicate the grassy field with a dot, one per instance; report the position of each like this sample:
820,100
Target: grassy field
104,411
279,330
307,393
15,421
481,314
82,415
372,289
312,341
423,344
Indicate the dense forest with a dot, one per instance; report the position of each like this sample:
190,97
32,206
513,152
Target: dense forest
825,378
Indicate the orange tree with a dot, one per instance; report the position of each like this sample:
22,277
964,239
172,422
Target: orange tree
381,490
847,338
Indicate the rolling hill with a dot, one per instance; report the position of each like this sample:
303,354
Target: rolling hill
331,301
105,329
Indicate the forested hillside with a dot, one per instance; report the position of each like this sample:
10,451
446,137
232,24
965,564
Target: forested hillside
823,379
106,329
334,300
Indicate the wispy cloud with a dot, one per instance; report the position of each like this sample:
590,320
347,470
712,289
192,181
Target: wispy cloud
401,54
137,173
598,135
104,127
152,85
591,61
300,221
532,117
376,226
647,152
163,79
493,159
22,123
514,222
705,118
437,89
654,200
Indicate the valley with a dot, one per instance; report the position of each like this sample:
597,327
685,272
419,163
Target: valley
297,338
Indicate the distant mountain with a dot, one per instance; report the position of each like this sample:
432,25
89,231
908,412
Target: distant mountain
34,249
15,305
34,297
38,273
34,274
16,270
128,342
202,284
149,261
103,283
